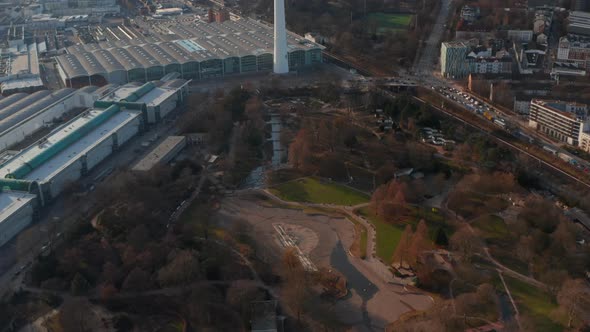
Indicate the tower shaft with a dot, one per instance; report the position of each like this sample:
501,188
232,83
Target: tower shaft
280,56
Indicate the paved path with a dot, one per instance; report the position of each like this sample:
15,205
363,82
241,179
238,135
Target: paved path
378,307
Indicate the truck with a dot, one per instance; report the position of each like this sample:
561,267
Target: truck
488,115
500,122
550,149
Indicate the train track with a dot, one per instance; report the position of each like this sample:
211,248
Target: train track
505,142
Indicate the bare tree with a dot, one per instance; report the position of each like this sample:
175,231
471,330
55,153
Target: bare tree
420,242
296,291
465,242
574,297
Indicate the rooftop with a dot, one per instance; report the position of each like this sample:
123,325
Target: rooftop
30,106
176,42
21,60
160,152
68,155
12,201
153,97
455,43
558,106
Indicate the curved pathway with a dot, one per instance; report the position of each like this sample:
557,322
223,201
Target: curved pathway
381,293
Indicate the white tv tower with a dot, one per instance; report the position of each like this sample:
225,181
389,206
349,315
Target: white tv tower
280,57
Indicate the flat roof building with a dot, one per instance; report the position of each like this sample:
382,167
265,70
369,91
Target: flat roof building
564,121
16,213
453,59
45,168
19,68
76,147
195,49
162,154
579,23
160,98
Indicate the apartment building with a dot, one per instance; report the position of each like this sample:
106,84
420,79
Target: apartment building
574,49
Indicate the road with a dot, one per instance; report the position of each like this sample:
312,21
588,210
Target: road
425,64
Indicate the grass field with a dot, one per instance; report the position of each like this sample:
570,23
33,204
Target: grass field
312,190
389,22
536,303
388,234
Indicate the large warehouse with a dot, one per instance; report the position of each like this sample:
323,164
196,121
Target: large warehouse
35,175
21,115
68,153
16,213
160,98
193,48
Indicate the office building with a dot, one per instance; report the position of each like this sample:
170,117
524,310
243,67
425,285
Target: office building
453,59
563,121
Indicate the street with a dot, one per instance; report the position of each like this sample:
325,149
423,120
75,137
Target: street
425,64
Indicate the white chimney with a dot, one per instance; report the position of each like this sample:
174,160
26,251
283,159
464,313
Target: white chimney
281,60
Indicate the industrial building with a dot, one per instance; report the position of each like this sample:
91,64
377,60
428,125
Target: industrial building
563,121
80,7
19,64
162,154
34,176
195,49
159,100
71,151
16,213
21,115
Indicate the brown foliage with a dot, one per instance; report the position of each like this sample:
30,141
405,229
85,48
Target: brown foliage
574,298
137,280
182,269
466,243
389,201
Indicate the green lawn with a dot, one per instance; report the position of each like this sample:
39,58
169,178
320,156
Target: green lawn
312,190
389,234
389,22
536,303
